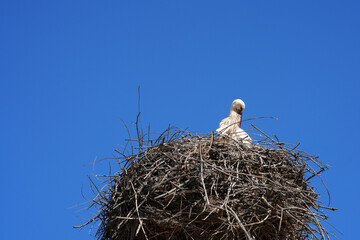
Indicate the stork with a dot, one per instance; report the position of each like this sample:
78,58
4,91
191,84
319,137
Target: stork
231,126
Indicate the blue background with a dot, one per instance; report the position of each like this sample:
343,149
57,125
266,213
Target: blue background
69,70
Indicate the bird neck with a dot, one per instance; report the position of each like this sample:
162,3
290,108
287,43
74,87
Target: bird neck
236,117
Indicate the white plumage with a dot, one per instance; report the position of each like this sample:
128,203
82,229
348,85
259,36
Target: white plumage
231,125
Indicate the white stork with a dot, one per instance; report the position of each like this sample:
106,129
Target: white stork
231,125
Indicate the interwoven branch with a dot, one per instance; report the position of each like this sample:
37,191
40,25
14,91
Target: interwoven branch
187,186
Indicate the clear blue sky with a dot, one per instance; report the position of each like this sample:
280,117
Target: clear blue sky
70,69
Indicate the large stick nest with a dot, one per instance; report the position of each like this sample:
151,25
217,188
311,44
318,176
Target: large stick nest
186,186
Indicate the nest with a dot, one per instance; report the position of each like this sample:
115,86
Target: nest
187,186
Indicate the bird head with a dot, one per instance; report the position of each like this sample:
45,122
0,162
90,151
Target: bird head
238,106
